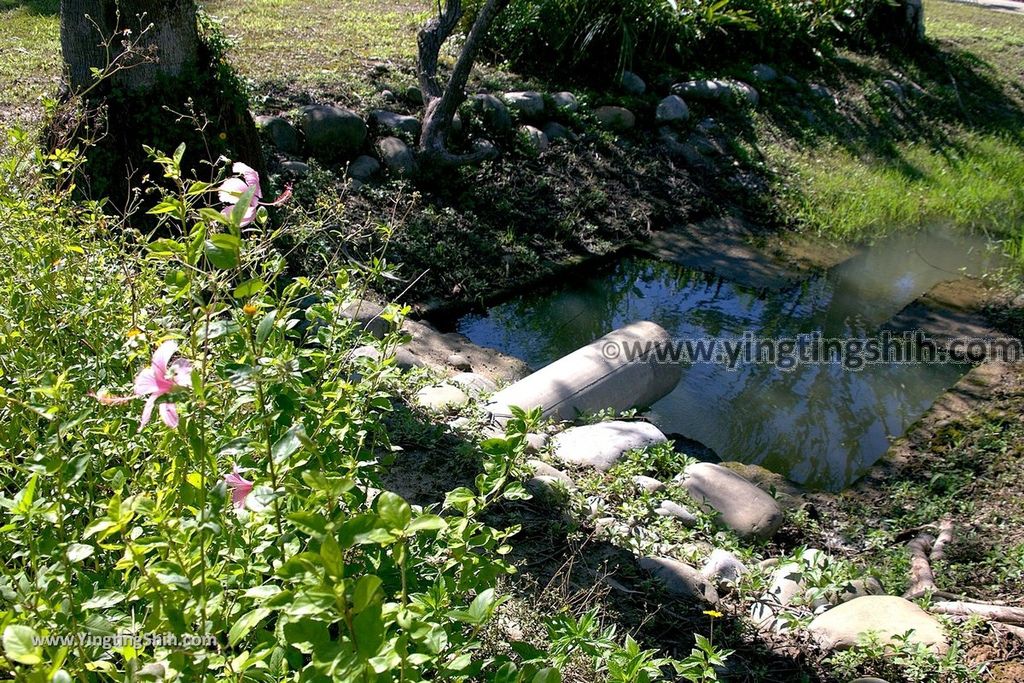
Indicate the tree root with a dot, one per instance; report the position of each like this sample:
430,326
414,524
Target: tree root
926,549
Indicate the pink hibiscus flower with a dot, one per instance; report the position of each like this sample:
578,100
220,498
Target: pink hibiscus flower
162,377
231,191
239,486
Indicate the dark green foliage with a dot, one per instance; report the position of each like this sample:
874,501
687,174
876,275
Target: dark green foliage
597,38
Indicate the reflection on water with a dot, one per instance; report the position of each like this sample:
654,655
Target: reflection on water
820,425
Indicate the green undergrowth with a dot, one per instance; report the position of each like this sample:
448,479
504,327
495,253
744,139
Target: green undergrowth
978,188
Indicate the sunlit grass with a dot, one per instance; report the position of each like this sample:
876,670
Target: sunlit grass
981,188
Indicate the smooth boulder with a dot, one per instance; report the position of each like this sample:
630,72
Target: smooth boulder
672,109
680,578
632,84
441,398
885,615
603,444
493,113
565,101
397,157
388,122
741,506
615,119
599,376
363,168
280,132
712,89
534,138
528,103
332,133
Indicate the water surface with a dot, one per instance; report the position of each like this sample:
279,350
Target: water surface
821,425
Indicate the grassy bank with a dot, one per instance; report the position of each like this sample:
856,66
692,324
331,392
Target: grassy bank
950,150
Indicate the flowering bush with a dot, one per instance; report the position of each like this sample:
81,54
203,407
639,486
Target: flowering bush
242,536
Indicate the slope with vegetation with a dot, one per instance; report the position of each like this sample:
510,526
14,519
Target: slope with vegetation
198,439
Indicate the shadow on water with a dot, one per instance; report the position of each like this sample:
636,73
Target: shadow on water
820,424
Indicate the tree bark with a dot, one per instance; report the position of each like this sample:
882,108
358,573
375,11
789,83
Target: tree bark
155,68
441,103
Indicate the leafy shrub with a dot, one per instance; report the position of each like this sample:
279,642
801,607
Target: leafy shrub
596,39
292,567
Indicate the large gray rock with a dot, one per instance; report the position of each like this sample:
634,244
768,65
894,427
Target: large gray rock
556,131
296,168
823,93
789,583
672,109
535,139
885,615
441,398
397,157
474,383
615,119
602,445
632,84
649,484
363,168
595,377
716,89
723,568
763,73
565,101
858,588
388,122
741,506
493,113
680,513
528,103
332,133
368,315
542,469
414,94
280,132
680,578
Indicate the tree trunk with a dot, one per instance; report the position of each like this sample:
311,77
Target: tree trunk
440,104
155,68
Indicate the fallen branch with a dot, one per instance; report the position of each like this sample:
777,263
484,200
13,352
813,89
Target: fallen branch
1000,613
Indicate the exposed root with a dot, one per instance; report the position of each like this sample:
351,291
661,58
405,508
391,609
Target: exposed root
926,549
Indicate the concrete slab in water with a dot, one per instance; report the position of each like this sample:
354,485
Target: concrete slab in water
592,379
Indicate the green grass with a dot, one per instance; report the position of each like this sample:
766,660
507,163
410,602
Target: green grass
978,188
954,155
280,43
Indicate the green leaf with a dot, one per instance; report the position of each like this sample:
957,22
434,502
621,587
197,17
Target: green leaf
364,592
164,248
548,675
369,630
104,599
310,523
265,327
245,624
244,202
79,551
222,251
427,523
23,501
213,216
288,444
394,512
332,556
249,288
20,644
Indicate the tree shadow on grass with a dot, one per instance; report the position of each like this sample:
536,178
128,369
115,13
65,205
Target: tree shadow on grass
48,7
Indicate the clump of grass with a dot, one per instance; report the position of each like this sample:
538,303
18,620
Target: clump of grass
979,187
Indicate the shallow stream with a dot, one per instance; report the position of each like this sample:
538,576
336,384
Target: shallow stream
819,424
